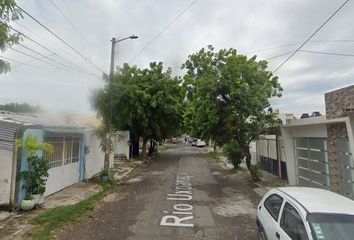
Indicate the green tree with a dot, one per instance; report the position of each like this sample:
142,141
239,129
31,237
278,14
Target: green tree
147,102
230,94
8,12
20,108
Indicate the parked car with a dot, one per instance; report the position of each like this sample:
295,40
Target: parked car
300,213
200,143
194,142
174,140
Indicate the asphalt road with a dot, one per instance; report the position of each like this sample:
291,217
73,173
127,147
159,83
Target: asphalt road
183,195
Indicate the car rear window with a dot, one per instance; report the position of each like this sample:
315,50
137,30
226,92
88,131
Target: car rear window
273,204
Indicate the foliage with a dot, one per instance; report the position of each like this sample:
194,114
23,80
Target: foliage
233,153
147,102
49,222
228,96
8,13
105,172
20,108
256,172
36,175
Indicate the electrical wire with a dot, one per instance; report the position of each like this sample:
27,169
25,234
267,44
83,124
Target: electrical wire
163,30
20,63
73,26
60,39
328,53
313,34
54,53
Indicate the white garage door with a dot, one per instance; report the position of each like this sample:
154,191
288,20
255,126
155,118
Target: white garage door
312,162
63,163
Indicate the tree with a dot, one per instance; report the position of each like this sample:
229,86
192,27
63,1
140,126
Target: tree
230,95
148,102
8,12
20,108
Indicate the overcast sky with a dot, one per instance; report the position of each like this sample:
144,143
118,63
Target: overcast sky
247,26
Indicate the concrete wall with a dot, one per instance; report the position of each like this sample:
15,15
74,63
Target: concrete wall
6,160
121,145
94,158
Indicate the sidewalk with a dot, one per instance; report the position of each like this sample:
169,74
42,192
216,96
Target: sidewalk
13,225
268,182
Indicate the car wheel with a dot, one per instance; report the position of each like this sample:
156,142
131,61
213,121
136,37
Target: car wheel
261,233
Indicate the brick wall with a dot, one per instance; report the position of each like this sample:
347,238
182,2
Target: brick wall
337,102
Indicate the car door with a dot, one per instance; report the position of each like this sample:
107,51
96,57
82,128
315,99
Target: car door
291,224
269,213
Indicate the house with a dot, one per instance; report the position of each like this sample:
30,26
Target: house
77,155
319,150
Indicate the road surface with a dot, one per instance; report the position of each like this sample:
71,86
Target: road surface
183,195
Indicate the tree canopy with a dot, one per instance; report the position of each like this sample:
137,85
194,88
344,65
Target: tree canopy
228,97
20,108
148,102
8,12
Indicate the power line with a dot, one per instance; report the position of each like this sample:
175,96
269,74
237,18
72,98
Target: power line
20,63
60,39
164,29
44,56
54,53
38,58
313,34
72,24
328,53
280,55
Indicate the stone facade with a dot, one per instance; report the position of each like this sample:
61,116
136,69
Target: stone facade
338,103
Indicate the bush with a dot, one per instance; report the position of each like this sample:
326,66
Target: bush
256,172
234,154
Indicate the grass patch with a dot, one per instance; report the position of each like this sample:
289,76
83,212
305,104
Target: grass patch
215,156
49,222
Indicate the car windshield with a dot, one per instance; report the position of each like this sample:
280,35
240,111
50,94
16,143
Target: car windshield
332,226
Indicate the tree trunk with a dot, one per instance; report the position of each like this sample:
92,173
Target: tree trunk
246,151
152,147
143,148
214,147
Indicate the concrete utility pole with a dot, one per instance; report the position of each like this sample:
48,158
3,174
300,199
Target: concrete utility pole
110,84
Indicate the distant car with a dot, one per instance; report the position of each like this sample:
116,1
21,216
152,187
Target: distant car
299,213
200,143
174,140
194,142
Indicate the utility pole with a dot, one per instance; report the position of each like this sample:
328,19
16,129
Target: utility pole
110,86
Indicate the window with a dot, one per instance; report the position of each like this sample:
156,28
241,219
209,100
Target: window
66,150
292,223
273,204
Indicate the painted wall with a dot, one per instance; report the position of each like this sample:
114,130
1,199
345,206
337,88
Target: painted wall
6,160
289,133
121,145
24,163
94,157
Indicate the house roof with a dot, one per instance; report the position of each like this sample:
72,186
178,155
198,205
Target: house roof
47,120
313,121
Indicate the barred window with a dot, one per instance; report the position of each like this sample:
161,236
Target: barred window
66,150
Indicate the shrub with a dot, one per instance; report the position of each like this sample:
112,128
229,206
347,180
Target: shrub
256,172
234,154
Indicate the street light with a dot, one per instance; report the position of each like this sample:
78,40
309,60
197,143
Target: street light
108,150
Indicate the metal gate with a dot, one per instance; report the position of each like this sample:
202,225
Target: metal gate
312,162
63,163
347,167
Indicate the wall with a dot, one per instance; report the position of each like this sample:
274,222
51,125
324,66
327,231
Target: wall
337,103
94,159
6,159
121,145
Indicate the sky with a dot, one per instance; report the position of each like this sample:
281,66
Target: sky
252,27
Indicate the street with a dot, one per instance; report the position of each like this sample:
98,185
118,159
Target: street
183,195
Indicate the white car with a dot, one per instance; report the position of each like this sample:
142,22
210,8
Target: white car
200,143
299,213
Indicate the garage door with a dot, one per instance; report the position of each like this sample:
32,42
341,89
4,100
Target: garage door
63,163
312,162
347,167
